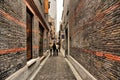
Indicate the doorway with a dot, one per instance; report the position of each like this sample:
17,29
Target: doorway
29,18
66,34
41,39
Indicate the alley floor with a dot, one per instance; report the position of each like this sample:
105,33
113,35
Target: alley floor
55,68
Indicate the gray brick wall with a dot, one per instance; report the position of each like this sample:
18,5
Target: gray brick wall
41,9
45,41
12,37
95,36
35,37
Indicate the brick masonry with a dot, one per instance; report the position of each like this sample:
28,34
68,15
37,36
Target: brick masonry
13,37
95,36
45,33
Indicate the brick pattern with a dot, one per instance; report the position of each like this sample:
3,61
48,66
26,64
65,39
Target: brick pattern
12,37
35,37
95,29
7,6
10,63
45,45
40,5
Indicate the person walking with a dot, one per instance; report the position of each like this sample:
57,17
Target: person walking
57,47
50,47
54,49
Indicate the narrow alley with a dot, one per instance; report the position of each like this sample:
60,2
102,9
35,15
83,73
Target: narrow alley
59,39
55,68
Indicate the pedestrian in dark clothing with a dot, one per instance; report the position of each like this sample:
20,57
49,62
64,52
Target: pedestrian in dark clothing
54,49
57,46
50,51
50,47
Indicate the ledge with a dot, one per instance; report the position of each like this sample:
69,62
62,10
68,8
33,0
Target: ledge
31,62
25,72
15,75
85,75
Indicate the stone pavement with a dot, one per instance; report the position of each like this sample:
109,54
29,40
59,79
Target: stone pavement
55,68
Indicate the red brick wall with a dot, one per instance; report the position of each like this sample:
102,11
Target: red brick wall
95,36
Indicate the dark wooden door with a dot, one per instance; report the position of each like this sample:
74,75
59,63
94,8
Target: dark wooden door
41,39
29,35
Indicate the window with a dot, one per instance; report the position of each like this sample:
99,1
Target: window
46,6
67,12
40,2
62,36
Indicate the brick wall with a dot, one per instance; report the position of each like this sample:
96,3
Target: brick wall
41,7
12,36
45,45
95,36
35,37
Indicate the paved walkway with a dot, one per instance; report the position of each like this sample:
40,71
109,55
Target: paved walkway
55,68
